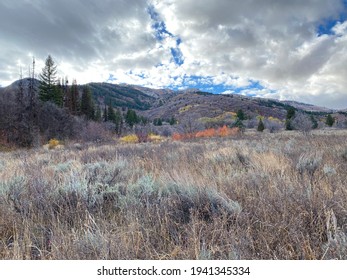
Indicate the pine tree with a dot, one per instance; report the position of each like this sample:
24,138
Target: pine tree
105,114
98,116
58,96
330,120
289,118
87,104
131,118
172,120
314,122
111,116
49,91
158,122
240,115
74,99
290,113
261,126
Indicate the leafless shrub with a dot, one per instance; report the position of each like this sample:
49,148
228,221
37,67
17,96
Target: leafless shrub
276,196
272,125
309,163
94,132
302,123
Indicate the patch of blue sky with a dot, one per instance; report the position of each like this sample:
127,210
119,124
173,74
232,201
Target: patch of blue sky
326,27
177,56
205,84
158,25
111,78
161,33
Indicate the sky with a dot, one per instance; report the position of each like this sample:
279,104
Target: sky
288,50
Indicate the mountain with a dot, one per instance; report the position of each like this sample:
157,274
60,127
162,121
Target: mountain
191,104
307,107
121,96
157,93
213,107
14,86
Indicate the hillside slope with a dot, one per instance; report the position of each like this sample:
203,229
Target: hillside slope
191,104
121,96
202,105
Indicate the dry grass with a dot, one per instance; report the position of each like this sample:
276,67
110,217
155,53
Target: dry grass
261,196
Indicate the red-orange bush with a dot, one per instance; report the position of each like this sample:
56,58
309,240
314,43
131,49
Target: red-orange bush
207,133
226,131
177,137
210,132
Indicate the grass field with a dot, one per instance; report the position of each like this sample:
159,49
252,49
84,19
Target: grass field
255,196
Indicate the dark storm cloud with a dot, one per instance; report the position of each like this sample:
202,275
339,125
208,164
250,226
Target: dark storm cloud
75,31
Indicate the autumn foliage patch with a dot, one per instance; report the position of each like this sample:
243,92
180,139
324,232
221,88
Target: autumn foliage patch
223,131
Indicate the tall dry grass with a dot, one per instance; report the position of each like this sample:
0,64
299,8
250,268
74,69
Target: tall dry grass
259,196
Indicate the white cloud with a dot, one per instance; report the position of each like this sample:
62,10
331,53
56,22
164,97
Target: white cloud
228,43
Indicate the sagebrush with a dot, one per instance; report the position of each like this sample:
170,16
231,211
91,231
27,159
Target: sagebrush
256,196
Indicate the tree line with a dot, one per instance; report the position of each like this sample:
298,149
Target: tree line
38,110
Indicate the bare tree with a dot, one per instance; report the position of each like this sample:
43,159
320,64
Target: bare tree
302,123
32,109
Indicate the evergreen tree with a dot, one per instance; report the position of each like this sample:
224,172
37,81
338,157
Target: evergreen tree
314,122
116,118
240,115
74,102
131,118
289,118
58,96
290,113
98,116
49,91
87,104
158,122
172,121
238,123
261,126
288,125
111,116
143,120
105,114
330,120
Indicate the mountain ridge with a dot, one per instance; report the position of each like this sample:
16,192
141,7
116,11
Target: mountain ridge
166,103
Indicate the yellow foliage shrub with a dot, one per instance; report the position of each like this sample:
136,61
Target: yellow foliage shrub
184,109
155,138
131,138
274,119
53,143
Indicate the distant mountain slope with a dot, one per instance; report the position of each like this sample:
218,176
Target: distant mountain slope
121,96
190,104
14,86
157,93
207,105
307,107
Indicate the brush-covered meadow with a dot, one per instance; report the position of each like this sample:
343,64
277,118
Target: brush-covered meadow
250,196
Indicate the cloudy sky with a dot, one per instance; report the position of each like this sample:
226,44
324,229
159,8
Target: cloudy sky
294,50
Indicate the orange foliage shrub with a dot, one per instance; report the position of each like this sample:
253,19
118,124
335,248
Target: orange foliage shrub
211,132
223,131
226,131
177,137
